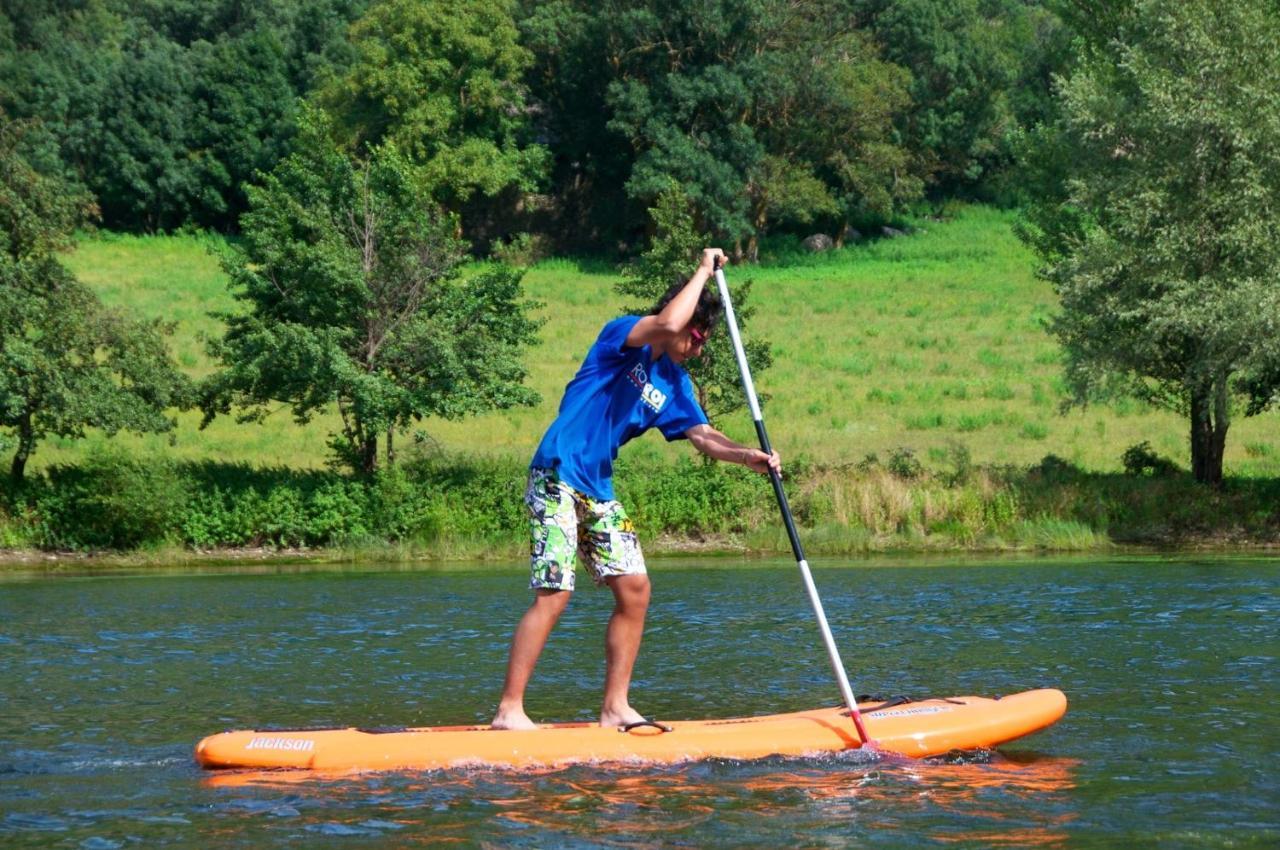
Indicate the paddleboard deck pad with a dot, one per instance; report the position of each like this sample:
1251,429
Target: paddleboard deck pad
918,729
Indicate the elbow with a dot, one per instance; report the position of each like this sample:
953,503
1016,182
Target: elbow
667,325
699,441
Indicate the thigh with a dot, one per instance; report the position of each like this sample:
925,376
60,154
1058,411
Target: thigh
607,541
553,532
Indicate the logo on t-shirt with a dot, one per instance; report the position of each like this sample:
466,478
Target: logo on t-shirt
649,394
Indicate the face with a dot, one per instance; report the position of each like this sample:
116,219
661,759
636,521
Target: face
688,344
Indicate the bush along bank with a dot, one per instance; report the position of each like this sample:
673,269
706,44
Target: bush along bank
467,507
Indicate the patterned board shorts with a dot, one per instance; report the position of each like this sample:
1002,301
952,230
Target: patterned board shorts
566,525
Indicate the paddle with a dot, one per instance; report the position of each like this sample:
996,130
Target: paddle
787,519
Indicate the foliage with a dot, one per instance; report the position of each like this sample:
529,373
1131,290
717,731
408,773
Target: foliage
568,83
1141,459
111,500
116,500
979,70
350,278
440,504
767,113
1158,220
904,463
775,115
759,110
694,499
164,110
826,109
672,257
441,80
243,112
56,63
67,363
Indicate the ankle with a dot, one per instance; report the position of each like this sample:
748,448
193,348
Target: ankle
511,706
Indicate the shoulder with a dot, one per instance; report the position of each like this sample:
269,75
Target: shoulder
611,343
616,330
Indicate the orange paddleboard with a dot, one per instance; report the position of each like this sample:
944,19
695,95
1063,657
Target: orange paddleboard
918,729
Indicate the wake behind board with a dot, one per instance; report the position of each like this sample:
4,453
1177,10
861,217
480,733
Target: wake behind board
917,729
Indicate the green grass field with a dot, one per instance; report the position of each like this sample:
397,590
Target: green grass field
925,342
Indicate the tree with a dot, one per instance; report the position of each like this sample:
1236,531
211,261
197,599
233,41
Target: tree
827,115
1159,211
243,107
589,163
145,174
766,112
979,70
442,80
671,257
56,66
350,276
67,363
164,109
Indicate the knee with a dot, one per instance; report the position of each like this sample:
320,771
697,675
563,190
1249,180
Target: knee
551,602
632,592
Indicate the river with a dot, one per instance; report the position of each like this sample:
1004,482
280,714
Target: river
1170,740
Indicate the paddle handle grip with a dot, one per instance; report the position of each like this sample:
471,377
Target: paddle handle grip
748,386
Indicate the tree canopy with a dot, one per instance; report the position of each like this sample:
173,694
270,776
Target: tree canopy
761,111
443,81
567,117
165,110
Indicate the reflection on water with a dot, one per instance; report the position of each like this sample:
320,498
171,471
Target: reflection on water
1022,801
1171,669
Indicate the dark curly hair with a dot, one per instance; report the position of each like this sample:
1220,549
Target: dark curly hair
705,315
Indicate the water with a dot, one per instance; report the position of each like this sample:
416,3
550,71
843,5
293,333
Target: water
1169,741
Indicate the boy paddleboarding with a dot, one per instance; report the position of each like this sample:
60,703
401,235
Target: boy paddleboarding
632,379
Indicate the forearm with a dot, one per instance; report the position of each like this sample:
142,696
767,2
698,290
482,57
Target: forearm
715,445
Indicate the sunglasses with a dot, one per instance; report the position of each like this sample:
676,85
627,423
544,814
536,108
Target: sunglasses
699,337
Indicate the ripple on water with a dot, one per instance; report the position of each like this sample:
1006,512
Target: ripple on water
1170,674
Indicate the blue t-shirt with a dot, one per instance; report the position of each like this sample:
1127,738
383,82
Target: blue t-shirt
618,393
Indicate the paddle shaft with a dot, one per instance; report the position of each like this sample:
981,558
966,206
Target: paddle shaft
752,402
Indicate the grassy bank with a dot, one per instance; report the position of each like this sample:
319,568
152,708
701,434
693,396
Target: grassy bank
915,397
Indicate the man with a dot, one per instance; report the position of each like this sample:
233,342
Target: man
631,380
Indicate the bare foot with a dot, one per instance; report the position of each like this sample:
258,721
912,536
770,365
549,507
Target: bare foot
620,717
512,720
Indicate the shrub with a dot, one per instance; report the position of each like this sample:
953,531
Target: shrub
111,501
471,497
960,459
903,463
694,496
339,513
399,509
1141,459
1054,469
